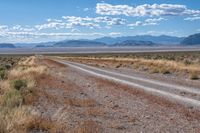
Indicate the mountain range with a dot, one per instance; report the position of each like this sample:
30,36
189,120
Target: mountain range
191,40
163,39
7,45
139,40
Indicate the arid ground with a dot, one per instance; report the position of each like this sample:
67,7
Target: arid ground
54,94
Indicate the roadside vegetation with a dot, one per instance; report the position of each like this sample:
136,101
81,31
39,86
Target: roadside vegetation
185,64
18,94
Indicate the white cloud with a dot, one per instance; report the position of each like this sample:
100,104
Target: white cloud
110,21
21,28
151,21
20,36
156,33
52,25
192,18
146,10
115,33
3,27
94,22
11,33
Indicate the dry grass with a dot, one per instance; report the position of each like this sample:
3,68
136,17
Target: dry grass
89,126
96,112
17,94
38,124
163,66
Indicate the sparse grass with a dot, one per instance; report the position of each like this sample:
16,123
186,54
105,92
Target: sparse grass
12,99
17,93
2,74
38,124
180,63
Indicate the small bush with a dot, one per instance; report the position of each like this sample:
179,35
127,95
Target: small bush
154,70
194,76
164,71
2,74
12,99
19,84
2,68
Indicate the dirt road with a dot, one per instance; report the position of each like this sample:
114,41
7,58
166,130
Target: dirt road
169,91
81,100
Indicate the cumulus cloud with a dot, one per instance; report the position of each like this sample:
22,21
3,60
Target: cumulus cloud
146,10
21,28
95,20
3,27
51,25
150,21
71,22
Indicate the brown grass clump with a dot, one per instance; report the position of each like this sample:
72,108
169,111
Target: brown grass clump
89,126
38,124
14,120
95,112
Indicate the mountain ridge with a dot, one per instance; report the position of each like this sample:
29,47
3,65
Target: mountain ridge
191,40
7,45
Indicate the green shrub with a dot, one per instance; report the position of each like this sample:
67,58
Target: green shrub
2,74
19,84
2,68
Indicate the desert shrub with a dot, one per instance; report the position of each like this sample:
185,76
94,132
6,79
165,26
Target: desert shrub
154,70
2,67
187,62
19,84
194,76
8,66
12,99
2,74
164,71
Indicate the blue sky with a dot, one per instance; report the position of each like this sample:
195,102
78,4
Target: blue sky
53,20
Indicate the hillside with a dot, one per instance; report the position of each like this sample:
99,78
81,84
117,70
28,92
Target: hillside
134,43
163,39
7,45
192,40
79,43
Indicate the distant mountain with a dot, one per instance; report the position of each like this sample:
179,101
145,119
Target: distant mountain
79,43
7,45
163,39
192,40
134,43
46,44
42,46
